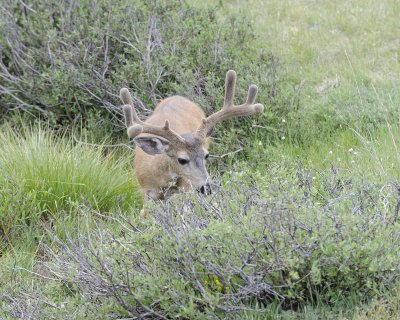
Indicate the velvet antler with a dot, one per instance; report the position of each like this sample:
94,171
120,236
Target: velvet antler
229,110
136,126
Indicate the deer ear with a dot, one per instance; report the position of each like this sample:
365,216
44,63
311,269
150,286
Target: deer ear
152,145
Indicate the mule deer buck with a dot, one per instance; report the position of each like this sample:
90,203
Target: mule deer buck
172,144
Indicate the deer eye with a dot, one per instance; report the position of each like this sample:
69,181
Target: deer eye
183,161
206,156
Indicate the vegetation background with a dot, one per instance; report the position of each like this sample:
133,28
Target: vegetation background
304,220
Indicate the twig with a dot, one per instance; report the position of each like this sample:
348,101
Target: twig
397,208
230,153
103,145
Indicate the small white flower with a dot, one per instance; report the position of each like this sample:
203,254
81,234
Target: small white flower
283,138
330,152
314,178
351,150
283,120
259,143
352,161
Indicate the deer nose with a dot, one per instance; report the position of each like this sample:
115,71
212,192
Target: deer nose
206,189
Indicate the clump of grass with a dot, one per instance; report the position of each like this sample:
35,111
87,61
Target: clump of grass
43,174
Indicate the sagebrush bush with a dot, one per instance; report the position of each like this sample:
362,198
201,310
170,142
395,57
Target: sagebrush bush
288,238
66,62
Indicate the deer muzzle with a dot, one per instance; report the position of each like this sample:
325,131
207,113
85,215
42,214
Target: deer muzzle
205,189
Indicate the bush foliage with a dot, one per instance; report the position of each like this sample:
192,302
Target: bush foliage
292,239
66,61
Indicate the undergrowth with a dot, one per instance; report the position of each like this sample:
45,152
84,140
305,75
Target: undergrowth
287,238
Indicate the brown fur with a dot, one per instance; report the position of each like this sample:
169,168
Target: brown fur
172,144
155,172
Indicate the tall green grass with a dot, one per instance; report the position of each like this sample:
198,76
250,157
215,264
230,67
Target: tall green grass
43,174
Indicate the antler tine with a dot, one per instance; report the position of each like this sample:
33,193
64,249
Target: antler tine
136,126
127,100
228,109
251,95
230,83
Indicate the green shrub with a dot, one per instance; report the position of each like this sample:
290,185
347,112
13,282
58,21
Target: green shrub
286,238
67,63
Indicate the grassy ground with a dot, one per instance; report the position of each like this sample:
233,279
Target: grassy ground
345,57
342,58
343,45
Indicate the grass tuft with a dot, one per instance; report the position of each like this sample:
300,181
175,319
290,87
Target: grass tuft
43,174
